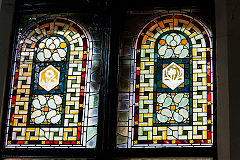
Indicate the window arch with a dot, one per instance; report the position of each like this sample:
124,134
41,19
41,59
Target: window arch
171,87
51,100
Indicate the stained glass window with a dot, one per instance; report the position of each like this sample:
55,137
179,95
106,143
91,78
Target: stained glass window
52,101
169,99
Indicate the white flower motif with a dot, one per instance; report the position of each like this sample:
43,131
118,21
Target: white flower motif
173,75
53,48
172,72
49,73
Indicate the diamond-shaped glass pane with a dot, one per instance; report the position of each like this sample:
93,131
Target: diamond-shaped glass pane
173,75
49,78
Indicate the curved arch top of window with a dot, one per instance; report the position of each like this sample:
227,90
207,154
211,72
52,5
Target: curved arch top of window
51,101
171,88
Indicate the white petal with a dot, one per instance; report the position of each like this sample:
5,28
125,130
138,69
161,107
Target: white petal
184,53
177,38
167,102
173,43
47,53
51,104
49,42
61,52
162,118
39,120
183,102
177,117
177,98
36,104
56,57
56,42
184,113
36,113
40,56
161,98
52,46
58,99
169,39
178,49
56,119
166,112
51,114
162,50
42,99
169,53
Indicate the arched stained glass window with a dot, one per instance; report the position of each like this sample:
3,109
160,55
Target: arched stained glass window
170,97
51,102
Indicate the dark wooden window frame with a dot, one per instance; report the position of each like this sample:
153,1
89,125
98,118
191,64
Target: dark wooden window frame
113,13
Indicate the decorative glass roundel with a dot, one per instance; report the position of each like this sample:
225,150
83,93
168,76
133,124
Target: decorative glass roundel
173,44
52,47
